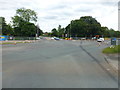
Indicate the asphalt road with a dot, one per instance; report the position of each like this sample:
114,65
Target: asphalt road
56,64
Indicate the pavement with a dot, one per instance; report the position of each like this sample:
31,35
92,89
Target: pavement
56,64
112,59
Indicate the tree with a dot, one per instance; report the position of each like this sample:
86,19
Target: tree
111,32
117,34
67,31
22,22
85,26
39,31
105,31
6,28
54,32
27,14
60,31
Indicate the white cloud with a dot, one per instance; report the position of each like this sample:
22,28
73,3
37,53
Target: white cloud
51,13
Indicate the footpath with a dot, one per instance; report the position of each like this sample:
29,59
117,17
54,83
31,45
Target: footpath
113,59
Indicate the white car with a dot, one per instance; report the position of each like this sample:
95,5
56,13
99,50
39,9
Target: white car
38,38
100,40
83,38
52,38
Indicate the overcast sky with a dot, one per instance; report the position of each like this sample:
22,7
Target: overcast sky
52,13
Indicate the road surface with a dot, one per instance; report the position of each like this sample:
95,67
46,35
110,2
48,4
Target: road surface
56,64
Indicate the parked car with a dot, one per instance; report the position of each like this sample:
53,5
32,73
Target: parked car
100,40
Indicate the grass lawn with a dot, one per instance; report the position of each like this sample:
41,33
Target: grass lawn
114,50
13,42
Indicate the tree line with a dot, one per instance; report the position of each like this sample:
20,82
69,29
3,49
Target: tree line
86,26
24,24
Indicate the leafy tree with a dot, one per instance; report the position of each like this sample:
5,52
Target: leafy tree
6,28
54,32
85,26
26,29
117,34
22,22
27,14
105,31
60,31
67,31
111,33
39,31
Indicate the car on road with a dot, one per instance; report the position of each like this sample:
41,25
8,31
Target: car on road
83,38
100,40
38,38
52,38
56,38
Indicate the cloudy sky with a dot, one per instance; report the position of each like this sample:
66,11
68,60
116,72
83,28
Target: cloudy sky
52,13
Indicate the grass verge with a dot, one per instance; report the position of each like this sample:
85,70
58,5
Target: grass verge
12,42
114,50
